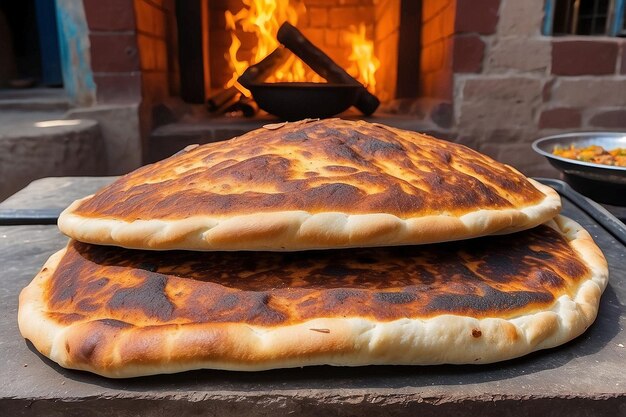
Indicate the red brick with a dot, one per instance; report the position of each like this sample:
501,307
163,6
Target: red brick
150,19
341,17
114,53
477,16
433,8
118,88
433,56
232,5
152,53
322,3
318,17
154,85
317,36
559,118
110,15
592,57
611,118
546,94
623,63
331,37
468,53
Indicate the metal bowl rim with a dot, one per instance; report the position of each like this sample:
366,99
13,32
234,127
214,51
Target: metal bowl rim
305,85
536,143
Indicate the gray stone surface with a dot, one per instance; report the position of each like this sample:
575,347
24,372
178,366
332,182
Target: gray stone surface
501,102
10,118
582,378
121,134
34,99
31,150
590,92
44,199
519,55
54,192
522,18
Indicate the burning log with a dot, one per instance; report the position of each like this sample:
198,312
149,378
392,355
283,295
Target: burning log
223,99
321,63
262,69
246,105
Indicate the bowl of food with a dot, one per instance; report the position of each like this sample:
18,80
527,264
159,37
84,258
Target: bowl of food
593,163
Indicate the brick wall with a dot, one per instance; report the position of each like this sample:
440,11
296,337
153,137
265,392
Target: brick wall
154,24
438,18
114,54
129,49
513,85
133,59
327,24
387,36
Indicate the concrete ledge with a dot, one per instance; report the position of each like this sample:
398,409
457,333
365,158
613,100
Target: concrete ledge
168,139
29,151
34,99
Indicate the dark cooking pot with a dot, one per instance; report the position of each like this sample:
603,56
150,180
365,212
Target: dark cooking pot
295,101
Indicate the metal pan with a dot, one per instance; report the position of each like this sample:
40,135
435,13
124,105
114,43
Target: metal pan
603,183
295,101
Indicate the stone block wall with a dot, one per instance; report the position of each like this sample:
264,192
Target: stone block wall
511,84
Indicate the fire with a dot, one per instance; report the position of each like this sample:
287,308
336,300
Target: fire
263,18
364,62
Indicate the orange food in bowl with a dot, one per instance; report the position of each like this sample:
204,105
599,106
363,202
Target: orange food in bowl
594,153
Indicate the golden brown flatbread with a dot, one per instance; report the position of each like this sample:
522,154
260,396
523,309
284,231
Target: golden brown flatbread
122,313
312,185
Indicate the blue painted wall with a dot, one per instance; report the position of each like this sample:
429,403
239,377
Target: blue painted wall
48,42
75,53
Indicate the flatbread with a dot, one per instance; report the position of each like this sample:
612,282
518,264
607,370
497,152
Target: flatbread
125,313
312,185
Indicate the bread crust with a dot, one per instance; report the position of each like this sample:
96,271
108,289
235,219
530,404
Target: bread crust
106,347
312,185
300,230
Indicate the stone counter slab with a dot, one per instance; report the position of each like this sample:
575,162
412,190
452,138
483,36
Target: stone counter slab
41,201
582,378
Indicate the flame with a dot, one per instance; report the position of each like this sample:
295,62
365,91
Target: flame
263,18
364,62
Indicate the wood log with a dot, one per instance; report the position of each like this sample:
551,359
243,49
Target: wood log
264,68
246,105
321,63
221,99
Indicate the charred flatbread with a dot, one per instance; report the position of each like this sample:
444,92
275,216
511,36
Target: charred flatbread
123,313
312,185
